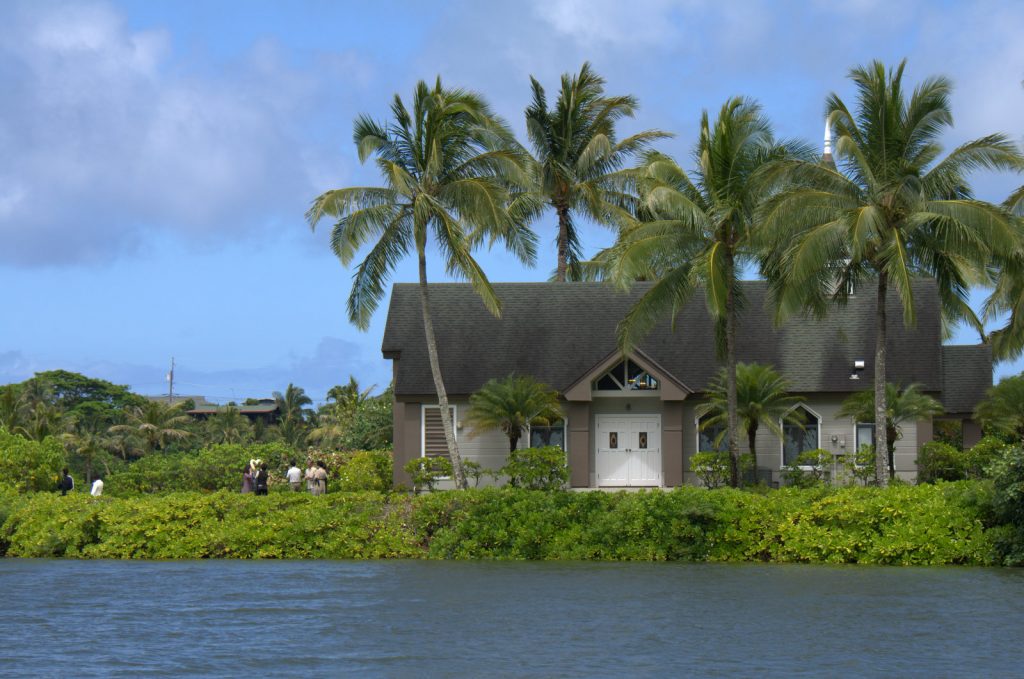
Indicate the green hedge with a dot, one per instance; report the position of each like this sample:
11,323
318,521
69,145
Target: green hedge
935,524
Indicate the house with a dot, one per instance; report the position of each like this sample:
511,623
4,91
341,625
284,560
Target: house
630,420
264,409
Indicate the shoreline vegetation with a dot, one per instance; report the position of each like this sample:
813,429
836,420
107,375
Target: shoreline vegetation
941,524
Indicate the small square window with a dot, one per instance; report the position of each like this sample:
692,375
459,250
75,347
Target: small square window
613,439
643,440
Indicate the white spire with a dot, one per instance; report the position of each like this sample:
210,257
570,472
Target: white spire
828,138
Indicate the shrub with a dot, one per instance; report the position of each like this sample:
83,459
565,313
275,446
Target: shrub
473,470
982,455
939,461
861,465
366,470
713,468
427,471
29,465
810,469
1007,472
537,468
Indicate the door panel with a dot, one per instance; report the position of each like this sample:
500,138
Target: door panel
628,450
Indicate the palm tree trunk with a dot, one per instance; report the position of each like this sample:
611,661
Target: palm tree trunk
563,242
513,441
730,381
752,442
881,433
435,369
891,449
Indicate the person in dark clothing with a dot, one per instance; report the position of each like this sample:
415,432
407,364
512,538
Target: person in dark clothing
66,483
261,480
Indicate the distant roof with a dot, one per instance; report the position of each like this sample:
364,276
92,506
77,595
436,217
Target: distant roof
178,398
212,408
556,332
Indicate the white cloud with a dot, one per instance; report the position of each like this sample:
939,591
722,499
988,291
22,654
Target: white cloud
104,135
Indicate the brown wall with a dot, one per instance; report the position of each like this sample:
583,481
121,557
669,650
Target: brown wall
972,434
672,443
579,444
407,445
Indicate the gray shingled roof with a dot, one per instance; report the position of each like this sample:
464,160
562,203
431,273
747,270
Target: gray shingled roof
966,375
559,331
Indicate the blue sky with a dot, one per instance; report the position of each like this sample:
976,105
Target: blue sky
156,158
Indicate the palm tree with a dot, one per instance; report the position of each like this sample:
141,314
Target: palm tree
84,442
511,404
156,423
890,211
762,397
42,419
1002,411
578,157
229,426
706,221
451,169
902,405
292,412
349,395
13,408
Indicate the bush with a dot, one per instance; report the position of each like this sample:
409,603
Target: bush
713,468
216,467
940,462
427,471
27,466
810,469
366,470
1007,472
537,468
982,455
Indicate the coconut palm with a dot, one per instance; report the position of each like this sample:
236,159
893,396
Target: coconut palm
292,403
578,157
13,408
451,170
762,397
1002,411
511,404
706,222
87,445
902,405
349,395
155,423
889,211
228,426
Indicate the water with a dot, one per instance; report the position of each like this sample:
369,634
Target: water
427,619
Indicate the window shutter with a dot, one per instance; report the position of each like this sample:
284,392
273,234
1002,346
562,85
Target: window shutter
434,444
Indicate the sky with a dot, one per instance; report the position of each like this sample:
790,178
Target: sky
157,157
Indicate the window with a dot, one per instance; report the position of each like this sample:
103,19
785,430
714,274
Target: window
865,435
801,436
626,376
434,443
707,437
553,435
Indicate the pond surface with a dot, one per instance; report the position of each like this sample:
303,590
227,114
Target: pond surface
459,619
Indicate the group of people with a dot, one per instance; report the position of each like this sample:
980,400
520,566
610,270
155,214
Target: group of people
66,484
257,482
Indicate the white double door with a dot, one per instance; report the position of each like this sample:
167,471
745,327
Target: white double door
628,450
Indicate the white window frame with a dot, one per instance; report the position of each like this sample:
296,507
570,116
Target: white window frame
625,390
782,439
874,435
423,424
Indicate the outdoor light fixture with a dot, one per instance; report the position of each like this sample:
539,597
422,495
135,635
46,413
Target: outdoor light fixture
858,367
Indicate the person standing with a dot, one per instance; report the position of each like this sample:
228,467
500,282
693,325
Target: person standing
247,479
311,484
262,480
97,487
321,478
66,484
294,476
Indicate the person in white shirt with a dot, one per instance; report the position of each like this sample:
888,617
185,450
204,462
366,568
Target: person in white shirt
294,475
97,488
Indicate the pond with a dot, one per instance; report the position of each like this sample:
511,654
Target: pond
466,619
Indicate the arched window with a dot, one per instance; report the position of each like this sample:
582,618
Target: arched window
711,437
800,433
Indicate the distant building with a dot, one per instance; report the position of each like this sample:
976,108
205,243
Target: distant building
264,409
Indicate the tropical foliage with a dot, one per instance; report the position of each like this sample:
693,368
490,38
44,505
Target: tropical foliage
1002,411
453,176
901,406
579,159
892,209
707,220
511,404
